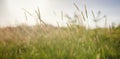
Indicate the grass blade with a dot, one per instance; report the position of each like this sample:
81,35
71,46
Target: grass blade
83,15
27,11
68,17
86,12
93,14
39,16
76,7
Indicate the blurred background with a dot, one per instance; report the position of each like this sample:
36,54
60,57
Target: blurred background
11,11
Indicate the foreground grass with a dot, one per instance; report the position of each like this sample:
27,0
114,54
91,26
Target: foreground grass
48,42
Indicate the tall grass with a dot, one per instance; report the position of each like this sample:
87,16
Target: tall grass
49,42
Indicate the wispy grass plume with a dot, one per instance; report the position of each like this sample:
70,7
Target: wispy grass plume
86,12
76,7
83,16
93,14
39,16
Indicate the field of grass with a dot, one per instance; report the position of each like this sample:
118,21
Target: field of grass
43,41
49,42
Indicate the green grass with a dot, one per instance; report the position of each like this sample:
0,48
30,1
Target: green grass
44,41
49,42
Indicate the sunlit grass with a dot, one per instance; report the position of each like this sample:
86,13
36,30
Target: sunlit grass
43,41
49,42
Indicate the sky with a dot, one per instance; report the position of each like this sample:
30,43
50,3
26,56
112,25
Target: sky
12,11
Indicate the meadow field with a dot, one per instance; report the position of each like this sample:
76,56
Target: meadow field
48,42
75,41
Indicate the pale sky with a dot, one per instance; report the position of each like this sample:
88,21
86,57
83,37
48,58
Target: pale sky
51,10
